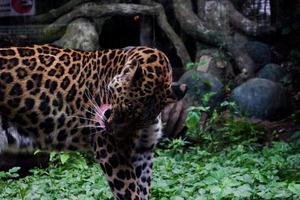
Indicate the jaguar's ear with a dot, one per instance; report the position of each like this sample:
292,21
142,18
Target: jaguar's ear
134,72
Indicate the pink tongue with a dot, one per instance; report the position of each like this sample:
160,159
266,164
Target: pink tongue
100,117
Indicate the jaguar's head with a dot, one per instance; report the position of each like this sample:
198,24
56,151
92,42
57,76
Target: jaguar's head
138,95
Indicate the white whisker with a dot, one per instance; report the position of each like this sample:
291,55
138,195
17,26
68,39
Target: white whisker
100,115
93,113
89,96
88,126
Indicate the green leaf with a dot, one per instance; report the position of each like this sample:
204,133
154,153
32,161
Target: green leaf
64,157
192,120
190,66
53,155
14,170
207,97
243,191
294,188
229,182
214,189
37,152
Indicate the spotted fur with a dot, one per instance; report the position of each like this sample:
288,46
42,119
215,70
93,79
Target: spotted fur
49,97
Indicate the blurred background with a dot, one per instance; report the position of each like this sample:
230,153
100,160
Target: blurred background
241,61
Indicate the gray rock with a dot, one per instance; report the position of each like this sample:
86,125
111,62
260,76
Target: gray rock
259,52
215,62
271,72
261,98
80,34
201,83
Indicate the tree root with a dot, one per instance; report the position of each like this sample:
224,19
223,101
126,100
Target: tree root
193,26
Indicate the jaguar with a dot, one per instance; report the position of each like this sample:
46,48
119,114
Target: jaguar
107,102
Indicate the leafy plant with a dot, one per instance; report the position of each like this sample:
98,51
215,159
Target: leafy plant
194,65
241,131
12,173
220,127
236,172
176,144
68,159
59,156
193,118
229,105
69,176
226,165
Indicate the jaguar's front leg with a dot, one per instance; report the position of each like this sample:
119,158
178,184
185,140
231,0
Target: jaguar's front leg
117,167
142,162
143,155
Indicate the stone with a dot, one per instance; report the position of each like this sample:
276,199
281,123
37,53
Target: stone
80,34
200,83
215,62
259,52
272,72
261,98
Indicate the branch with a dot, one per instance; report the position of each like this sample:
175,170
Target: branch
170,33
94,10
53,31
163,23
191,24
201,9
244,24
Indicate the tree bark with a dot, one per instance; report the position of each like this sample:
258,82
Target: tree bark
191,24
170,33
247,26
